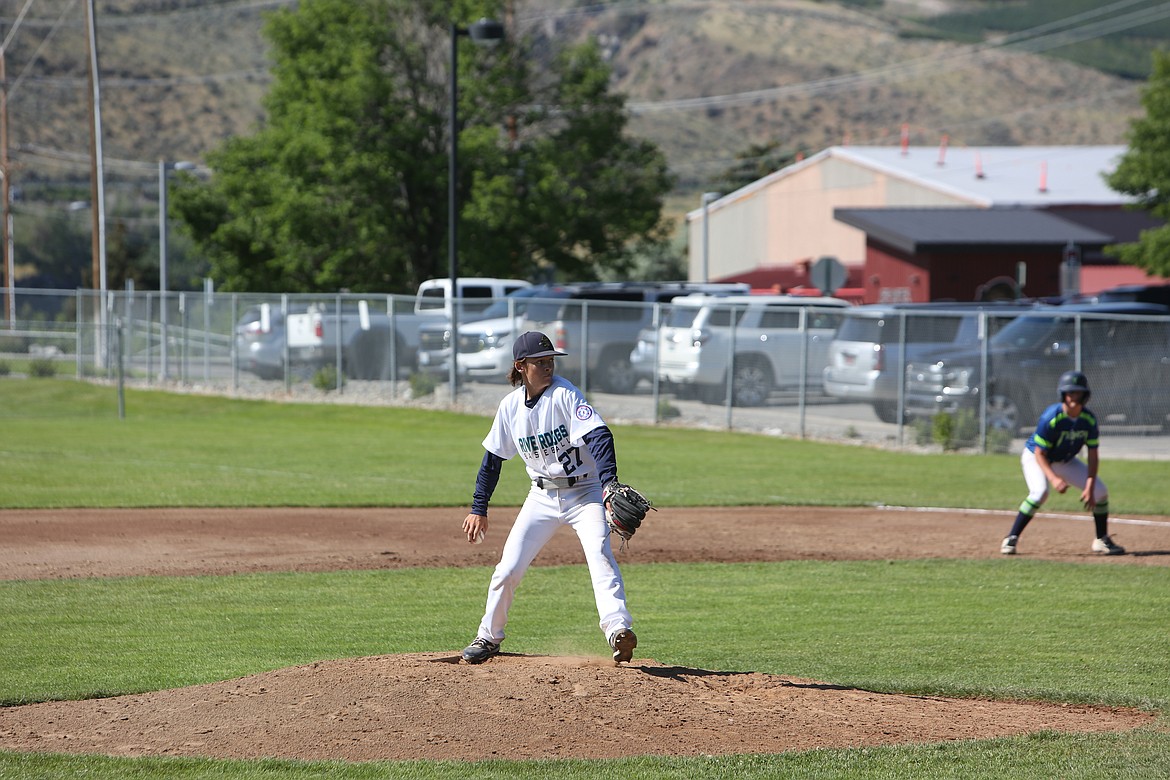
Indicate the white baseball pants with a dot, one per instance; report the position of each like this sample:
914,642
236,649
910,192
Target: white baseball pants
544,512
1074,472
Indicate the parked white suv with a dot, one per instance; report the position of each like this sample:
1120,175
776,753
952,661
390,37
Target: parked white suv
597,324
778,341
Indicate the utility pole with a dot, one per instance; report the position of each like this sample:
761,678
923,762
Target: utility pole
6,194
97,184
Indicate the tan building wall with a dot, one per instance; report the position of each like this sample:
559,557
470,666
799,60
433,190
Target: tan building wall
788,217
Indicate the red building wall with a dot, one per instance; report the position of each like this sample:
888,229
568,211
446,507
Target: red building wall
894,276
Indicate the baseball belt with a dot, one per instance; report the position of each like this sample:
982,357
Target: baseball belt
558,482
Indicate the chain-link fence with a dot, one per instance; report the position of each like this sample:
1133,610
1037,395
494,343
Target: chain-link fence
902,378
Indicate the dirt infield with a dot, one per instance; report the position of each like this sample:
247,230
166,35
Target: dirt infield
430,706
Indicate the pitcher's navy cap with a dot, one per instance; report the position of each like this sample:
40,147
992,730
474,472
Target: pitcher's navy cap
533,344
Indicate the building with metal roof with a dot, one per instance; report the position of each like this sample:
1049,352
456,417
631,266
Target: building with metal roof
1044,198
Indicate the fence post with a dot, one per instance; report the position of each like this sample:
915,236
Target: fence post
337,330
393,346
208,301
121,369
149,338
284,351
233,344
584,346
803,366
80,337
183,329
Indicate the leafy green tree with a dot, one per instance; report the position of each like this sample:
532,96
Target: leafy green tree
1144,172
345,183
58,246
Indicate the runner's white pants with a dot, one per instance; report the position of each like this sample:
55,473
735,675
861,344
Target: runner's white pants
1075,472
545,511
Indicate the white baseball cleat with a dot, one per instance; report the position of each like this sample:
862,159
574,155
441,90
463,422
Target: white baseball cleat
1008,547
1105,546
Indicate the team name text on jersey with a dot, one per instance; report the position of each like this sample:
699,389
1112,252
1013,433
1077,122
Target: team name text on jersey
544,440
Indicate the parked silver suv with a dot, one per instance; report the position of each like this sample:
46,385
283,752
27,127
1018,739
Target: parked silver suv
758,342
597,324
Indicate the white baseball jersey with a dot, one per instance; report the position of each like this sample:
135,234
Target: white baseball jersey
549,436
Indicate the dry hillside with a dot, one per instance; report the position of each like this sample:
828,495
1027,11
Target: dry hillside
178,77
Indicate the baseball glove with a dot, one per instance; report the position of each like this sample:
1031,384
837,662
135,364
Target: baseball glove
625,509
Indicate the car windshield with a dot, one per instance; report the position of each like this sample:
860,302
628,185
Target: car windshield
546,306
1028,332
868,329
514,301
920,329
681,316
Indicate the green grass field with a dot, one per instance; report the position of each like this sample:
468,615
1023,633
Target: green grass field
990,629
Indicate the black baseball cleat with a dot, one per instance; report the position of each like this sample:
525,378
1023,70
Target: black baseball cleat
623,643
479,651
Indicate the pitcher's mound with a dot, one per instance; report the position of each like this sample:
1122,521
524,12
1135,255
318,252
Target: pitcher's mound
432,706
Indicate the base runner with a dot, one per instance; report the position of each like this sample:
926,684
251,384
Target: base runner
1050,458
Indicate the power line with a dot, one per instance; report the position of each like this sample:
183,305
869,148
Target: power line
935,64
1062,32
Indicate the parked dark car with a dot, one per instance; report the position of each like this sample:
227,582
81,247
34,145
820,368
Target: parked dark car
866,361
1140,293
1124,348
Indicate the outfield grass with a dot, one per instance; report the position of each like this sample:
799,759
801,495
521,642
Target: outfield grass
952,628
989,628
64,446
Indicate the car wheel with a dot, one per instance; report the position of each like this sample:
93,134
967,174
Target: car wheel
617,375
886,411
1004,413
711,394
752,383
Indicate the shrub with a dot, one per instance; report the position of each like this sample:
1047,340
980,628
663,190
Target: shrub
955,431
326,378
966,428
999,440
942,430
422,384
667,410
5,369
922,431
42,367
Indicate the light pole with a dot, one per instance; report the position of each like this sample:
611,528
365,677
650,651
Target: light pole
163,168
707,198
485,32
